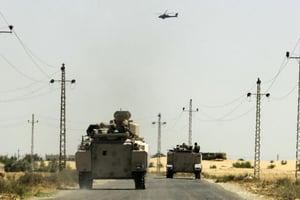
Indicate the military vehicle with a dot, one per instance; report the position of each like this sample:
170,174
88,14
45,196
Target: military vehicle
186,159
112,151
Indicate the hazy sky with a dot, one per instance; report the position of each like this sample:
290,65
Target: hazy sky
124,57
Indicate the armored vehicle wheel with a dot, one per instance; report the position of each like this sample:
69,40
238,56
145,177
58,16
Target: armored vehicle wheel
139,180
197,175
85,180
169,174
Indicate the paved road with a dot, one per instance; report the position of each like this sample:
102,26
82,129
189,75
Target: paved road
158,188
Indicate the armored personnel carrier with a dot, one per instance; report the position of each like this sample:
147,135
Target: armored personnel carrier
186,159
112,151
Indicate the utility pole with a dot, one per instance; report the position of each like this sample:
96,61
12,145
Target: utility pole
62,137
190,110
297,169
257,129
32,139
158,165
18,154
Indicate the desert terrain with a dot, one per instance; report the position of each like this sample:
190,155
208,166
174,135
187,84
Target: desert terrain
268,169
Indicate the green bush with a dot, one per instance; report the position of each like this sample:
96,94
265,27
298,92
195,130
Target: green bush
242,164
17,166
213,167
228,178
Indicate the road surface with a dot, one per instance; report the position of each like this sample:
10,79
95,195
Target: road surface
158,188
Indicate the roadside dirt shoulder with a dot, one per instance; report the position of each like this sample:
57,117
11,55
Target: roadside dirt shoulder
239,190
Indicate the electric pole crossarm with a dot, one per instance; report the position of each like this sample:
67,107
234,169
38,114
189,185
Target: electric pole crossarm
10,27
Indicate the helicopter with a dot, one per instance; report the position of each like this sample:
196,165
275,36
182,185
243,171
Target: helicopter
167,15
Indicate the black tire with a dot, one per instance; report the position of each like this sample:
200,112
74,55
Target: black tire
170,174
197,175
85,180
139,180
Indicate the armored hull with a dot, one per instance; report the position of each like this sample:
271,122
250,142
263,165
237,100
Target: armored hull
185,159
113,151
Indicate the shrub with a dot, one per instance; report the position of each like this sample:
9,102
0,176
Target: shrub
271,166
32,184
67,177
151,164
53,166
17,166
284,182
283,162
213,167
31,179
242,164
225,178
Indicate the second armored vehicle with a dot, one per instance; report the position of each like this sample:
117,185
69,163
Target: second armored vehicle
186,159
112,151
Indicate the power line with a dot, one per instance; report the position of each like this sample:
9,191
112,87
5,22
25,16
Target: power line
27,96
223,117
273,80
286,95
17,89
17,70
176,120
231,111
3,17
28,52
24,87
39,59
281,67
223,105
237,117
30,56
